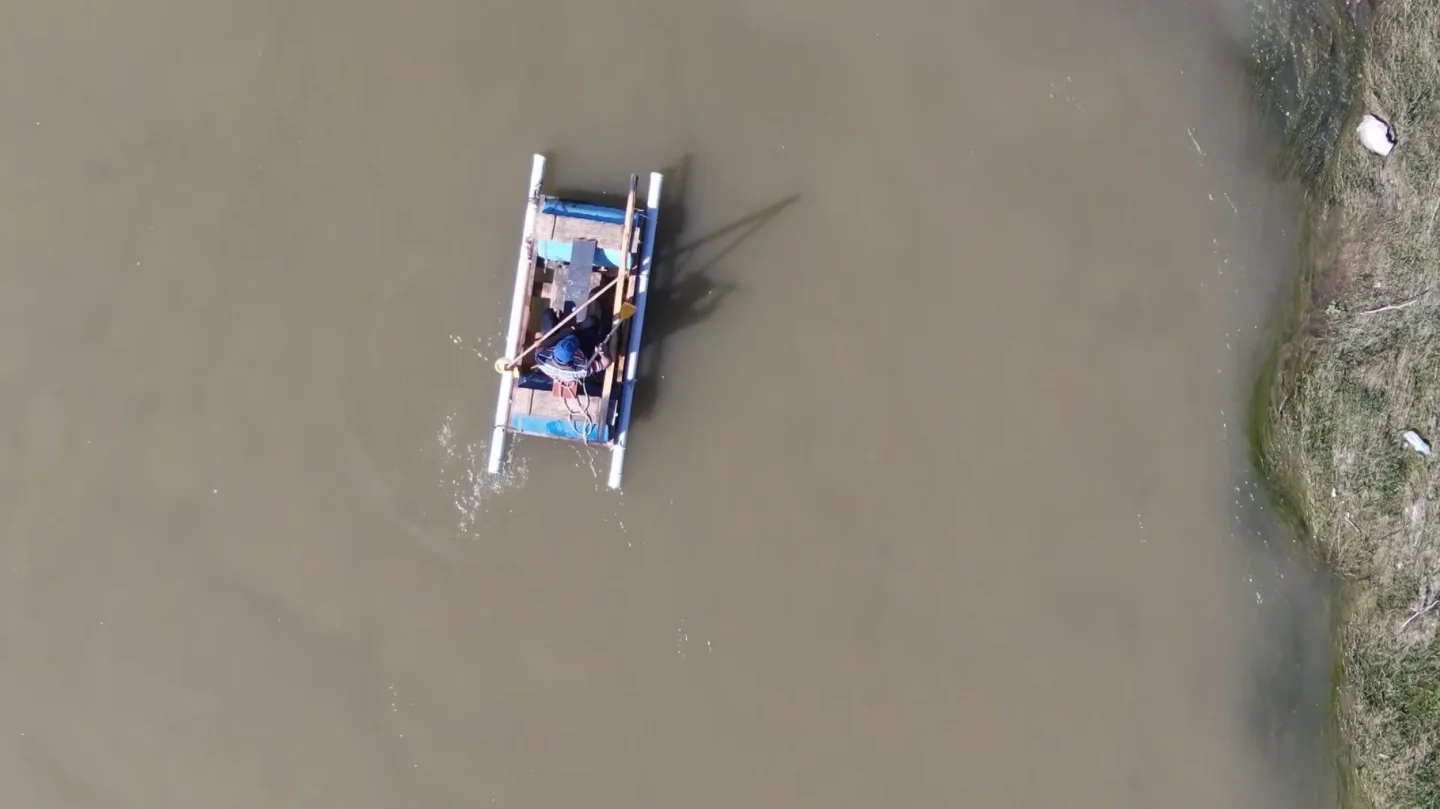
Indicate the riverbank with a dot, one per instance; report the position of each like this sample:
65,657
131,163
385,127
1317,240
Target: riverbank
1359,364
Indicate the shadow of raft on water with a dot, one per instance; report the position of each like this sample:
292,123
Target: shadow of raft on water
683,288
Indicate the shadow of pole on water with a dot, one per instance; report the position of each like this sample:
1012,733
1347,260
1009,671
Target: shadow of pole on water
684,289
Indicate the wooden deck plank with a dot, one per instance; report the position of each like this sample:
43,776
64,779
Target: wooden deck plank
521,400
564,229
546,404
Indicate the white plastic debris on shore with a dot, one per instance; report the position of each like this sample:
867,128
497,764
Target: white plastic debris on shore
1375,135
1416,442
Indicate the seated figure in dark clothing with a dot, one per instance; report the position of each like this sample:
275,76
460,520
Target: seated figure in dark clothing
576,357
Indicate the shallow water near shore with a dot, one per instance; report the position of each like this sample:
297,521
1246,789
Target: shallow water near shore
939,490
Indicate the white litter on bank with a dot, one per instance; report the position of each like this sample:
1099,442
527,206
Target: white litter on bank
1416,442
1375,135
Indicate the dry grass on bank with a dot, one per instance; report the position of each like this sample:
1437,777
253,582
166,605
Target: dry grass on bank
1366,368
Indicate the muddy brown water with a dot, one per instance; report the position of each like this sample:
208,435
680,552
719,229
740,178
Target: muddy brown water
935,499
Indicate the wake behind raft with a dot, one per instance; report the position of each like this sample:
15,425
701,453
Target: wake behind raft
577,315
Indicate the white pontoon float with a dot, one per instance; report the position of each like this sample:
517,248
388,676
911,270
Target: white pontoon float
589,265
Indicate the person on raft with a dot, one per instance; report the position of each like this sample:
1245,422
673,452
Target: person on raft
568,360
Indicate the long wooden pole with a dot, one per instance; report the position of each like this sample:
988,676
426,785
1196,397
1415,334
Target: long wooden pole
505,366
627,237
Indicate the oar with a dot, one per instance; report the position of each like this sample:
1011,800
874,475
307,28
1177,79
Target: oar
506,366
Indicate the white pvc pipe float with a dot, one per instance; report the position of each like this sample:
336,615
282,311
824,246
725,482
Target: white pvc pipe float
632,359
517,311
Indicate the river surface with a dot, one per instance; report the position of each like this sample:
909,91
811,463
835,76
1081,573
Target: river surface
938,493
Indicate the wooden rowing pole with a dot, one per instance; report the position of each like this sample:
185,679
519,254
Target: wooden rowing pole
505,366
623,291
